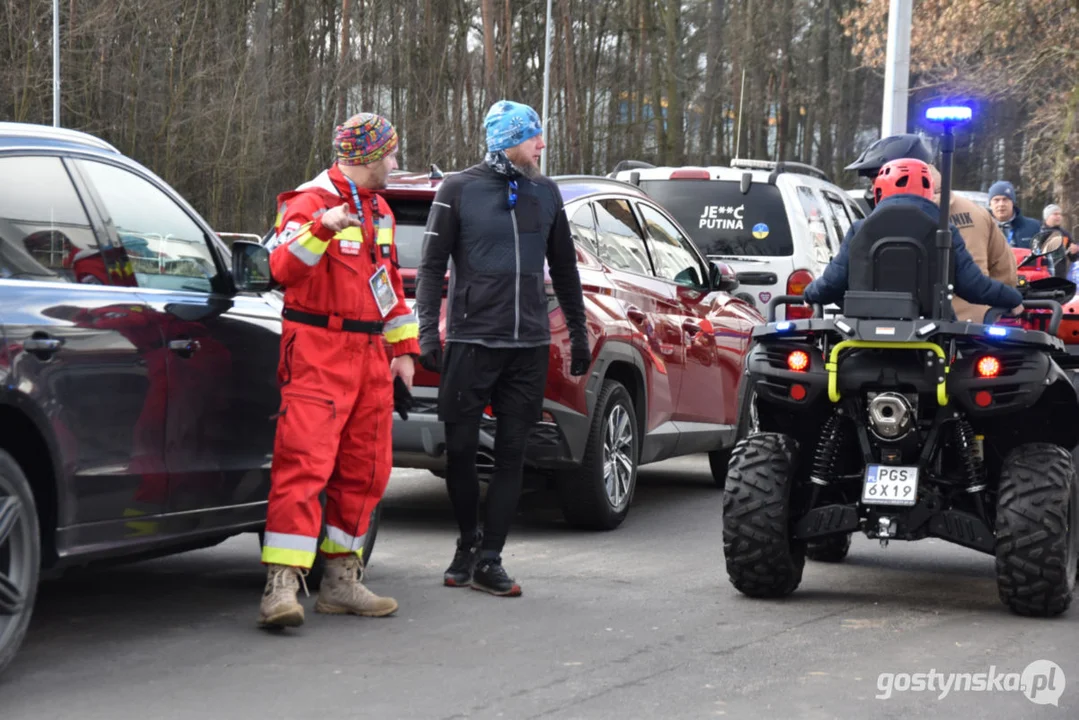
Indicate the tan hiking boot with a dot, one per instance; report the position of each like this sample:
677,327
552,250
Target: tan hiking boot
279,607
342,593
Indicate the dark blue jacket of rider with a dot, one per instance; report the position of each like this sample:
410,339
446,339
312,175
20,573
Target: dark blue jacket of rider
970,283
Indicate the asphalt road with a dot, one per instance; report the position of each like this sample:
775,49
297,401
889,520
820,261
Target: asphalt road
636,623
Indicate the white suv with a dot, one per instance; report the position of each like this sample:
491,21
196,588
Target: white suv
776,224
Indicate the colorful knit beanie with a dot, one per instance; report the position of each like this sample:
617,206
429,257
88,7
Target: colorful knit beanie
364,139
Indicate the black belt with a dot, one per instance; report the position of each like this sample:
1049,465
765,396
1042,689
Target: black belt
332,322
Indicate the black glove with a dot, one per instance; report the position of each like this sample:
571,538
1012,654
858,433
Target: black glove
402,398
432,359
580,360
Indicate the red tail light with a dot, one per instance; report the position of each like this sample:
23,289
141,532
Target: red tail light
988,367
798,361
796,285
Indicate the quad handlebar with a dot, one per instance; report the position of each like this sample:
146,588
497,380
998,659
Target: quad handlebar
818,309
991,317
996,314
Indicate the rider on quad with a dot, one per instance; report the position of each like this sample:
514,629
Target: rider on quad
898,422
909,182
983,238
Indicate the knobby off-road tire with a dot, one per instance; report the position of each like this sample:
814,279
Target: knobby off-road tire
1037,539
830,549
588,499
762,559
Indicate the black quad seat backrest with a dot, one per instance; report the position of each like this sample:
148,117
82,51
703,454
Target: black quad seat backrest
893,266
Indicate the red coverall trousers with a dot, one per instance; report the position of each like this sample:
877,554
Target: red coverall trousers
334,433
335,424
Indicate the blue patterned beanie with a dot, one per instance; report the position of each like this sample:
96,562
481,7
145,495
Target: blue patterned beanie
509,124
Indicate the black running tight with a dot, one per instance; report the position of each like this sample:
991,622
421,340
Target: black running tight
462,444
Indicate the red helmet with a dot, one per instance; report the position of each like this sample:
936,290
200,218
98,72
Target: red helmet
906,176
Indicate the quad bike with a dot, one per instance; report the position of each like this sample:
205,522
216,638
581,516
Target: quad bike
894,421
1041,275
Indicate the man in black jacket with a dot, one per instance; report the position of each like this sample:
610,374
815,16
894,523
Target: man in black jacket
497,221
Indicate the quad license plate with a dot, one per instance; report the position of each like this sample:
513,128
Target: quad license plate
890,485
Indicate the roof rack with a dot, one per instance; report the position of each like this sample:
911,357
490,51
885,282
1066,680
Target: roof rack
46,132
630,165
597,179
780,166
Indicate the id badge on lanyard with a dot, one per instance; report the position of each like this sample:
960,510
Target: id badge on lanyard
381,287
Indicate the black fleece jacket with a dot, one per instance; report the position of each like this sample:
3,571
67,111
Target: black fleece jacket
496,292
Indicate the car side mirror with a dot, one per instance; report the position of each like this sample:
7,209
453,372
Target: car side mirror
722,277
250,266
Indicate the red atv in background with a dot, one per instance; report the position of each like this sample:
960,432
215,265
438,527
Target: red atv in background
1043,275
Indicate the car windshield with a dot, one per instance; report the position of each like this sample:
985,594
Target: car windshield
723,221
411,216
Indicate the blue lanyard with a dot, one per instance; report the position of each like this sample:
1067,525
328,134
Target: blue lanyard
359,212
358,204
355,198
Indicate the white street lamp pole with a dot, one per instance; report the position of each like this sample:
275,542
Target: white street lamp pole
56,63
546,88
897,69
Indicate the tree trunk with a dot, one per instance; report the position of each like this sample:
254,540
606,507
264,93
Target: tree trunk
637,89
572,119
711,120
345,78
508,80
786,43
490,69
676,135
1065,175
824,90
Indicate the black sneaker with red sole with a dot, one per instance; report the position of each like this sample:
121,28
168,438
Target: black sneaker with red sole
490,577
459,573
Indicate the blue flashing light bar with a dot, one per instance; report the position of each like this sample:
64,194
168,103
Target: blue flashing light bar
784,326
996,331
949,114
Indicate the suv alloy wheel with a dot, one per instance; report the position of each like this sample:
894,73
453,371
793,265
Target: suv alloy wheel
598,494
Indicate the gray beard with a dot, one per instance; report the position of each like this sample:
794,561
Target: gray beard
530,170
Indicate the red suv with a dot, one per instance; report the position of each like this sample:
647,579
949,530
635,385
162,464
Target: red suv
668,342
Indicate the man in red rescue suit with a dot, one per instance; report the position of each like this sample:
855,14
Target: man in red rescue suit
337,262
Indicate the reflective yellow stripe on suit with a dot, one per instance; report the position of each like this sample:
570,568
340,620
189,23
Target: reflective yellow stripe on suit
384,236
351,233
339,542
404,327
287,549
307,248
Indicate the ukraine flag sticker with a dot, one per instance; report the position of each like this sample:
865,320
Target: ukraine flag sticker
760,231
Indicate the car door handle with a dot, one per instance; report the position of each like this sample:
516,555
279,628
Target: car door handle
42,344
184,347
635,314
691,328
